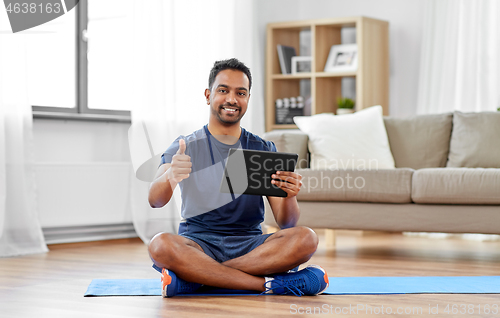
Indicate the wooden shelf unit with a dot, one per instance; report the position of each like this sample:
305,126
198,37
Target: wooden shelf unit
371,77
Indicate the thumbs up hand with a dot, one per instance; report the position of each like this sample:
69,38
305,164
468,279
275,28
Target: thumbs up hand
182,147
180,167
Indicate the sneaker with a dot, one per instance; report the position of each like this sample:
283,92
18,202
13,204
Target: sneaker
173,285
294,270
311,280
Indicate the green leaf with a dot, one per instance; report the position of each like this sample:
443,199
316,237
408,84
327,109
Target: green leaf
345,103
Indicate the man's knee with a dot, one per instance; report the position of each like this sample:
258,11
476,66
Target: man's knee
304,240
308,239
162,246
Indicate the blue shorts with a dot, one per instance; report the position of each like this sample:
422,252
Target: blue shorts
224,248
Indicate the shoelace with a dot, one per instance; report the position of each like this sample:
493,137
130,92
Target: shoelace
289,285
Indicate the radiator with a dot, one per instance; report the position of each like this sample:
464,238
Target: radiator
84,201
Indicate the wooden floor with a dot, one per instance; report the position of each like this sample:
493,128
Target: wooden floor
53,284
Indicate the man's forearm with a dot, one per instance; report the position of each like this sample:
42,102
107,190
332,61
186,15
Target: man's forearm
289,213
160,191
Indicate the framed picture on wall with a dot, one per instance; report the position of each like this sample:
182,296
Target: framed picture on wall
342,58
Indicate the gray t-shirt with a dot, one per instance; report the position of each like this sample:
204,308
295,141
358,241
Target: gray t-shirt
204,207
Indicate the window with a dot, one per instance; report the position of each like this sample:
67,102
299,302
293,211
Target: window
52,64
78,63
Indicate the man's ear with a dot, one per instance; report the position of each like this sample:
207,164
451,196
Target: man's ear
207,95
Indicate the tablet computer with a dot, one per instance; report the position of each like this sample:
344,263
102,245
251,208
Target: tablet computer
249,171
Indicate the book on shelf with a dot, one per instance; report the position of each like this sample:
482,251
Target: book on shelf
285,54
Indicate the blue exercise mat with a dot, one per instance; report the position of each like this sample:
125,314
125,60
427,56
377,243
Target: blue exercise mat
414,285
338,286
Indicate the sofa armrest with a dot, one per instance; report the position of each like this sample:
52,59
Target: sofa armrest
293,141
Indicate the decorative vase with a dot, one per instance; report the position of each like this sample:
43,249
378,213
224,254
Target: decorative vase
343,111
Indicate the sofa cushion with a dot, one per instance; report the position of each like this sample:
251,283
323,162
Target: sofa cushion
419,141
293,141
348,141
387,186
456,186
475,140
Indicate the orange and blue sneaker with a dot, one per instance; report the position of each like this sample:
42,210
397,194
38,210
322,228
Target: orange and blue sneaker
311,280
173,285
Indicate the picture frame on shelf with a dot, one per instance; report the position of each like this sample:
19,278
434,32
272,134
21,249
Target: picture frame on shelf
342,58
301,64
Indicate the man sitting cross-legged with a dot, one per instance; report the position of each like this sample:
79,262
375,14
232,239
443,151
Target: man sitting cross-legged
223,246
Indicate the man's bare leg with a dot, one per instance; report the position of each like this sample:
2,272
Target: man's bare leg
188,261
282,251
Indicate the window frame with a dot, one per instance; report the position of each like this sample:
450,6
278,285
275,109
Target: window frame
81,111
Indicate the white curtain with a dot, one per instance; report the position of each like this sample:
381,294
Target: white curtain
174,45
460,65
20,231
460,58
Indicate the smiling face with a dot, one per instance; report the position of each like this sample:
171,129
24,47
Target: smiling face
228,98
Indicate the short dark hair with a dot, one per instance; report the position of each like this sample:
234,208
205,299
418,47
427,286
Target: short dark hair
232,64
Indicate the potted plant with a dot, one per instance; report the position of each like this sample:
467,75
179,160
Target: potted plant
345,106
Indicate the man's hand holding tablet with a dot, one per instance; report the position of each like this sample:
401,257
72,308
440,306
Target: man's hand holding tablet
290,182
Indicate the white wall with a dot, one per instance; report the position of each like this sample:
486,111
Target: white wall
405,24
